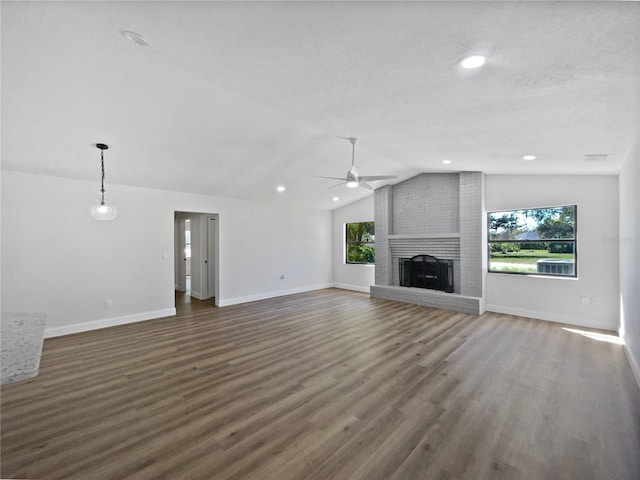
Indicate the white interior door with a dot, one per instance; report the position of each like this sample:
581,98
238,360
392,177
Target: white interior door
179,255
211,257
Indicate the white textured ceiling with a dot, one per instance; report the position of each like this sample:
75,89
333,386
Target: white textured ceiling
235,98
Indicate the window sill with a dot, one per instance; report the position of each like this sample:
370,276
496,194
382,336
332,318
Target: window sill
530,275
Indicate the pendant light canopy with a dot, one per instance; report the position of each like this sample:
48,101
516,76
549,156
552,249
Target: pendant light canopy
103,211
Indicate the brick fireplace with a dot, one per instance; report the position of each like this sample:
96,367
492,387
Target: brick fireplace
440,215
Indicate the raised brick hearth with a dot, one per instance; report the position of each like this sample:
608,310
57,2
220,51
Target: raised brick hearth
438,214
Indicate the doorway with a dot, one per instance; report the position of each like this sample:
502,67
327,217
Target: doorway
196,256
187,255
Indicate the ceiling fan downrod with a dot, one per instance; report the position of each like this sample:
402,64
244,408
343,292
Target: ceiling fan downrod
353,150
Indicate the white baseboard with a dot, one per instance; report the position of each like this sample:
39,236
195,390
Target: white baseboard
634,364
357,288
553,317
225,302
107,322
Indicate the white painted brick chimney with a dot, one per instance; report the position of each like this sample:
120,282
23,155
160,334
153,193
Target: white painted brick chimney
439,214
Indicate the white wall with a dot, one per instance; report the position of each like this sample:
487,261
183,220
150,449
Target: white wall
57,260
558,299
352,277
629,242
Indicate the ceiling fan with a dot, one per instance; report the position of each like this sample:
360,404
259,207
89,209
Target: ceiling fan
354,180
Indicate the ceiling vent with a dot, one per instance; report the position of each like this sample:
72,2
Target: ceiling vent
596,157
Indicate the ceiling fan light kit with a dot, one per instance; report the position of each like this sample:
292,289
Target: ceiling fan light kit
354,180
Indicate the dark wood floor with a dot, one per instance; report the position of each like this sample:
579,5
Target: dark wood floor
327,384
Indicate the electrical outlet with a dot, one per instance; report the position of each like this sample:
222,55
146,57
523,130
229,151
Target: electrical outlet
594,300
584,300
108,303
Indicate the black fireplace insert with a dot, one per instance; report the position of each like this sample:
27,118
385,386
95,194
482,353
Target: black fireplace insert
425,271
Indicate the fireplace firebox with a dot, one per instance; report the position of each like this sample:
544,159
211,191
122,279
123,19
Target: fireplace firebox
426,271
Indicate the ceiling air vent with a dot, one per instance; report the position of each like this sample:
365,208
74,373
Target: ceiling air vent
596,157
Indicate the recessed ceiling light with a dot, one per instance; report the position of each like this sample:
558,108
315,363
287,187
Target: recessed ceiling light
281,188
335,199
529,157
446,162
136,38
473,61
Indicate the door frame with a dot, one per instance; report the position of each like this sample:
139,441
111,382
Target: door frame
204,243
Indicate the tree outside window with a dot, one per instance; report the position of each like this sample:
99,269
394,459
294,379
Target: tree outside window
360,242
540,241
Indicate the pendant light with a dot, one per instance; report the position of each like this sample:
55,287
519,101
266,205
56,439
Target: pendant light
103,211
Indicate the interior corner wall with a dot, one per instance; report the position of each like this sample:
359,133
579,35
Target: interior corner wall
629,244
58,260
559,299
349,276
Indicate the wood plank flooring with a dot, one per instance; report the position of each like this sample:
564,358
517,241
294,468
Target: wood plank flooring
326,384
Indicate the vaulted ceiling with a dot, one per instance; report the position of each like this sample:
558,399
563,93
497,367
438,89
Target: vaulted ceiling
235,98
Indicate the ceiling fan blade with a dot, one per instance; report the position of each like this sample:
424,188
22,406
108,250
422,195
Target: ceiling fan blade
378,177
365,185
330,178
337,184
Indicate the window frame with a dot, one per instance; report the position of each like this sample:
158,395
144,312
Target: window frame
347,243
573,240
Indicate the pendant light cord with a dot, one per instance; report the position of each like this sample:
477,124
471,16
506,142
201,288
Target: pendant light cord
102,184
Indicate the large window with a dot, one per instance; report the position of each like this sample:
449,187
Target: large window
538,241
359,242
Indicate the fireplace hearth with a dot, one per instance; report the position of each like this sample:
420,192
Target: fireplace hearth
426,271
